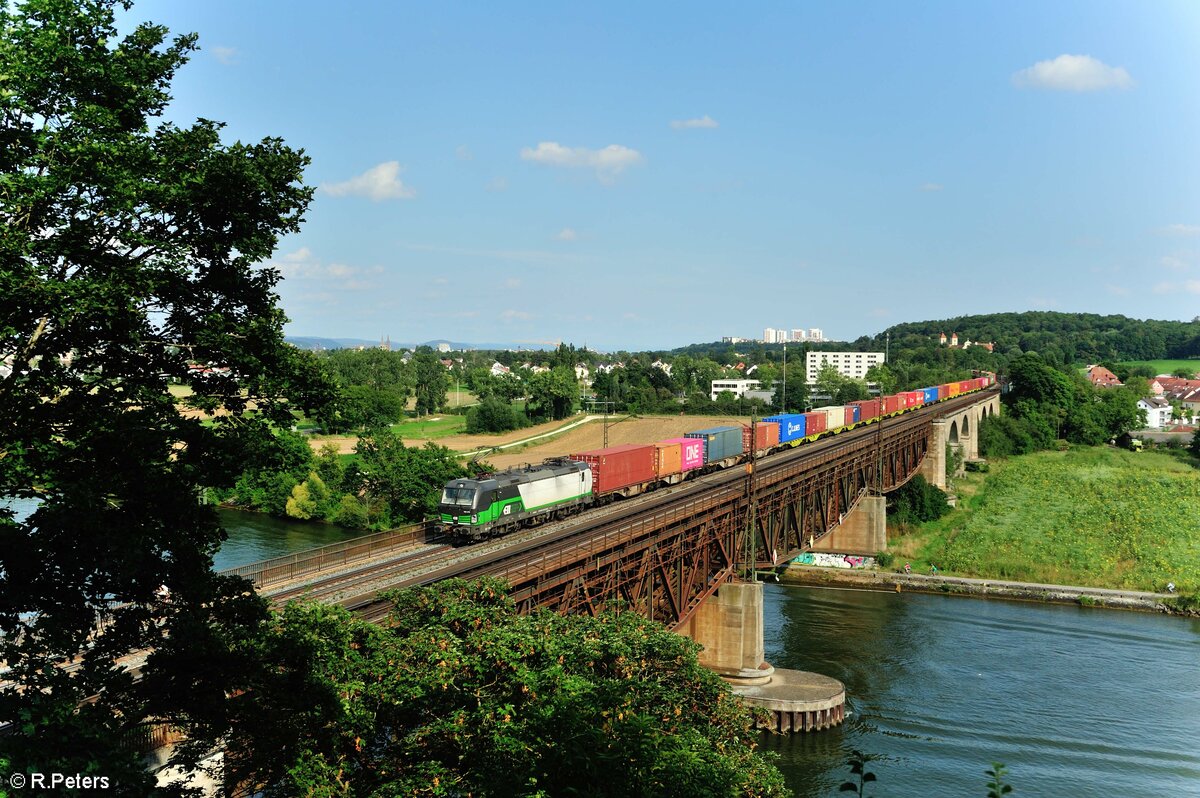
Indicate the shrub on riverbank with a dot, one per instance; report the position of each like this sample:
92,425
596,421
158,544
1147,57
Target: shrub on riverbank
1089,516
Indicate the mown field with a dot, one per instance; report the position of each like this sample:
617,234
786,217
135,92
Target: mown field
1165,366
1099,517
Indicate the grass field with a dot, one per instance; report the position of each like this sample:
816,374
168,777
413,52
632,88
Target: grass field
1165,366
1097,516
430,428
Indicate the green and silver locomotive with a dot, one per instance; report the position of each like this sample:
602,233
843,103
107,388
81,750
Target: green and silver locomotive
474,509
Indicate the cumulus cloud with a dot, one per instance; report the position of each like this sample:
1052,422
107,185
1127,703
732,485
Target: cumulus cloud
930,187
1190,286
463,153
1073,73
378,183
608,162
1182,229
567,234
226,55
686,124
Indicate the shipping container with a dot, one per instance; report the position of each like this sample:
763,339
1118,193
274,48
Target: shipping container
667,459
768,436
719,442
619,467
931,395
691,452
835,416
815,423
891,404
916,398
943,391
868,409
853,413
954,389
791,426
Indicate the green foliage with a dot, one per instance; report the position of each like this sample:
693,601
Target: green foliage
885,559
130,250
462,695
351,513
431,381
916,502
858,767
552,393
494,415
361,407
1005,436
996,787
407,480
1194,446
1099,516
954,458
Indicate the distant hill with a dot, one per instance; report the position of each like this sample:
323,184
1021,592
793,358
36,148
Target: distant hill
315,343
1074,337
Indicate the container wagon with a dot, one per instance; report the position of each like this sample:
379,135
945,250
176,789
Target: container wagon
720,444
624,470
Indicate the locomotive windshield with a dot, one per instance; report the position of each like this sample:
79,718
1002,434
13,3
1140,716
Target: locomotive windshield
458,496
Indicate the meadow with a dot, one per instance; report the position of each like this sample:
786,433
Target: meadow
1165,366
1097,516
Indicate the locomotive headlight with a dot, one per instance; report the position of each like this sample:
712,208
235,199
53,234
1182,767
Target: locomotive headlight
475,519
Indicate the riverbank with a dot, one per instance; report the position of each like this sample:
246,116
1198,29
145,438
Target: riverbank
872,579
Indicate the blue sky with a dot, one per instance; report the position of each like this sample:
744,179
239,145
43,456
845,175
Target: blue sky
644,175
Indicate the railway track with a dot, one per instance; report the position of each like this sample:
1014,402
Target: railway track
570,538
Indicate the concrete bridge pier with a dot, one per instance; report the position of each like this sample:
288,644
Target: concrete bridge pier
729,624
863,531
933,466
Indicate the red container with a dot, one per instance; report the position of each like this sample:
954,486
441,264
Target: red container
768,436
849,417
867,409
943,392
916,398
891,404
814,424
619,466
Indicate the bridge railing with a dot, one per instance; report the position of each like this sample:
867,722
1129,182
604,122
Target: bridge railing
303,564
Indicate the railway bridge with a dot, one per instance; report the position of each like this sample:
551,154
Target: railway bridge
666,554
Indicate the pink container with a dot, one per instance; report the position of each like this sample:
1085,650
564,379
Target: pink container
691,452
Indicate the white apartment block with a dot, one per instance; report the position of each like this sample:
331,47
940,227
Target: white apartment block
737,387
816,334
799,335
849,364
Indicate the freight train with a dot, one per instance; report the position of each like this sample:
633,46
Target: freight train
475,509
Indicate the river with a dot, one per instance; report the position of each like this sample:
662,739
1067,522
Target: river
1075,701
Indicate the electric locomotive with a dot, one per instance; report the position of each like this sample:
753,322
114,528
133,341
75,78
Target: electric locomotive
475,509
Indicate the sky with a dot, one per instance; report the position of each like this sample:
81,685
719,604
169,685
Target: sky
648,175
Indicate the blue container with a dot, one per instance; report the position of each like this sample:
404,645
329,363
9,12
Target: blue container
791,426
719,442
930,394
857,413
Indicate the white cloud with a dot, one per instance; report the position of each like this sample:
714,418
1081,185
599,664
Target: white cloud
1073,73
567,234
705,121
608,162
1192,286
512,282
1164,288
1173,263
930,187
496,184
378,183
515,315
226,55
518,255
1182,230
303,265
463,153
1117,290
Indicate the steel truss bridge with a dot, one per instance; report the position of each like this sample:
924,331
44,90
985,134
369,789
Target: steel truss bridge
663,554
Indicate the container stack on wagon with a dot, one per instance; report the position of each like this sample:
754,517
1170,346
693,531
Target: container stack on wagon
630,469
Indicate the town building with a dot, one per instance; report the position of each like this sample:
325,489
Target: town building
1158,412
1102,377
736,387
849,364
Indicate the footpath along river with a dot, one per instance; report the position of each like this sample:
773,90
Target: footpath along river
1075,701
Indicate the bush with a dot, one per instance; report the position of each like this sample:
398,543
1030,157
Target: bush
916,502
885,559
494,415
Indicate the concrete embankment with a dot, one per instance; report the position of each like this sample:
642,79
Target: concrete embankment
870,579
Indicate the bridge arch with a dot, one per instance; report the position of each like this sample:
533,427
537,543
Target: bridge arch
954,431
966,425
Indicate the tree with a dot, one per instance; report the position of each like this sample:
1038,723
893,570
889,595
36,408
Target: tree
494,415
432,382
461,695
791,392
130,256
553,392
408,480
